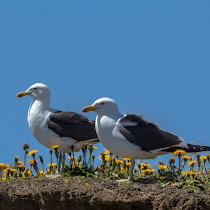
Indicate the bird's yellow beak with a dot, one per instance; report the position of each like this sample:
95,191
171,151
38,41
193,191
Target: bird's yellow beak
21,94
88,108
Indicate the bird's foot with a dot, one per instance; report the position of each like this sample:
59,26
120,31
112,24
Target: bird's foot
53,176
124,180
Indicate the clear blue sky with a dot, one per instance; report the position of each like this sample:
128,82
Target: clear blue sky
152,57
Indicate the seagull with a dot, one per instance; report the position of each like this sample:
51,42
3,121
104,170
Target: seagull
53,127
130,136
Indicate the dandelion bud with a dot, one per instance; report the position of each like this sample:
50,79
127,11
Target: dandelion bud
25,146
171,160
90,147
41,159
84,149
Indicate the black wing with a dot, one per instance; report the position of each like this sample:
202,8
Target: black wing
146,134
73,125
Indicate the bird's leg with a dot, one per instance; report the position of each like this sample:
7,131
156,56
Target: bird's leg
131,170
130,178
63,163
59,162
59,172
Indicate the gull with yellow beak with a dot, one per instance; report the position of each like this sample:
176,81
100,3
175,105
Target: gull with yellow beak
53,127
130,136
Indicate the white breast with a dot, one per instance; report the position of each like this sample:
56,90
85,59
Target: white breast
38,117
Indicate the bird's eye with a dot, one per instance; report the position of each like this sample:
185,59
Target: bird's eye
35,88
102,103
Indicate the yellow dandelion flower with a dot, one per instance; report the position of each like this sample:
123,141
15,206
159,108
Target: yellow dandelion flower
55,146
103,153
128,164
70,157
145,166
19,163
6,165
106,158
193,173
203,157
32,152
41,172
95,147
162,167
31,162
48,170
3,178
192,162
21,166
119,161
12,170
198,155
51,165
29,172
2,165
107,152
5,170
128,159
148,171
185,157
16,157
179,152
185,172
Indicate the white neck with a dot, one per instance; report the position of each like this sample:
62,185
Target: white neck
37,107
40,104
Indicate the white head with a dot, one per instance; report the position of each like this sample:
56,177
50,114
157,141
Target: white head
102,106
36,91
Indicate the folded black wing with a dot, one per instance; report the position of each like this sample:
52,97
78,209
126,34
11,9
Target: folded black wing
73,125
145,134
